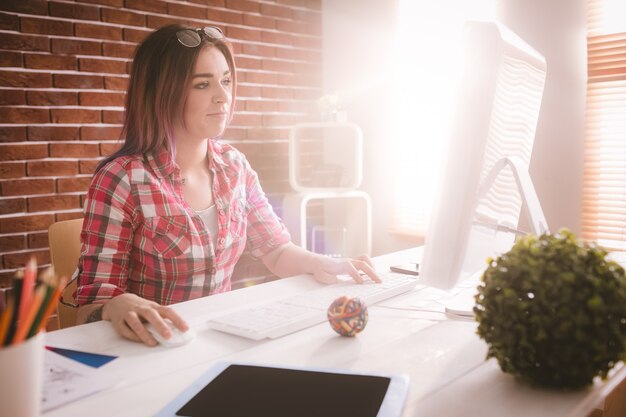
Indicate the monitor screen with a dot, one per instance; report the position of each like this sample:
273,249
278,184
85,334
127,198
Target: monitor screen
485,180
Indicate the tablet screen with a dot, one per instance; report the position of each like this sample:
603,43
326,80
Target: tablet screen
247,390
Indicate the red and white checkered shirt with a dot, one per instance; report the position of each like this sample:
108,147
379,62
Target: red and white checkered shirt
140,236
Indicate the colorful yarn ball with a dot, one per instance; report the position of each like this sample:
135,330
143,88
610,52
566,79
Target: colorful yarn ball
347,315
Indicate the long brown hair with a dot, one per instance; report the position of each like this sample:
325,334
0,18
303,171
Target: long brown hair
161,71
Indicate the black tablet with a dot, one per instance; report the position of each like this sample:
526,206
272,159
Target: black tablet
243,389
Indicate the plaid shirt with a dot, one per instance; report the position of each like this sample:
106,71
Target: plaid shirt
140,236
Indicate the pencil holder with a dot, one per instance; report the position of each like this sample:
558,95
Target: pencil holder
21,377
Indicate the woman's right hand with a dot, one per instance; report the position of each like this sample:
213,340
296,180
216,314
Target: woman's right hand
128,313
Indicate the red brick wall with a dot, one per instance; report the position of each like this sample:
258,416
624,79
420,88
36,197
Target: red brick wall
63,73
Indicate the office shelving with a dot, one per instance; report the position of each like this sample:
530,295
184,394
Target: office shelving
327,214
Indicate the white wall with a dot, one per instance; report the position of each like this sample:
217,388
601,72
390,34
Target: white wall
557,29
358,38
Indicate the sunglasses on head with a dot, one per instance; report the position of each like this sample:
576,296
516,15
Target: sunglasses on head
193,37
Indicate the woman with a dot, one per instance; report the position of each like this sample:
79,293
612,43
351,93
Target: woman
169,214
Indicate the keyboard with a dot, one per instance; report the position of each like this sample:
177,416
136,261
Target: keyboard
288,315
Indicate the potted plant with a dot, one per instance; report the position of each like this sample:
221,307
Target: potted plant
553,311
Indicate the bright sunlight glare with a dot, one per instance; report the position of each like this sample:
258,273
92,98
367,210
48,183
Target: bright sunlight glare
427,68
610,16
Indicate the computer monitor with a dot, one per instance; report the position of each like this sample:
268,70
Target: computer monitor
485,180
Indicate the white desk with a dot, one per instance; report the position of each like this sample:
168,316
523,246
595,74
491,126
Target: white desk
444,358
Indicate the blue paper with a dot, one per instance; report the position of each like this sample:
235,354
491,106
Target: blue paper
94,360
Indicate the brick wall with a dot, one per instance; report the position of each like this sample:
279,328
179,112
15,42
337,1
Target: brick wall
63,73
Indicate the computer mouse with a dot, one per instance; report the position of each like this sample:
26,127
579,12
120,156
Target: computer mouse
178,337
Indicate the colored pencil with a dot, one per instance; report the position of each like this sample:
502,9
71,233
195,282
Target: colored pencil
47,280
17,298
5,320
53,302
30,305
24,325
30,275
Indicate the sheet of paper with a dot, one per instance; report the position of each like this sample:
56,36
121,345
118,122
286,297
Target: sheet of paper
66,380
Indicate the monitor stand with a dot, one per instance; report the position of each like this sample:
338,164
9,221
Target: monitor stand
530,201
462,304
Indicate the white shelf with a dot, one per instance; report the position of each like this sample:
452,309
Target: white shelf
325,157
330,223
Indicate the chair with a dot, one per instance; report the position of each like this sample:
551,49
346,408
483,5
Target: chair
64,242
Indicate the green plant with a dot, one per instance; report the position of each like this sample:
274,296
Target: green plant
553,311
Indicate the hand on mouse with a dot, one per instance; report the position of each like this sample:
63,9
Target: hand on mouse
128,312
178,338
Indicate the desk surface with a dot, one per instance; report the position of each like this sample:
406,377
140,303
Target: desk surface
444,358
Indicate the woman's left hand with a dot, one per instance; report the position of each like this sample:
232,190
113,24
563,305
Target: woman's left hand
328,269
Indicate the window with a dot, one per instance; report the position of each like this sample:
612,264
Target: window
426,67
604,183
